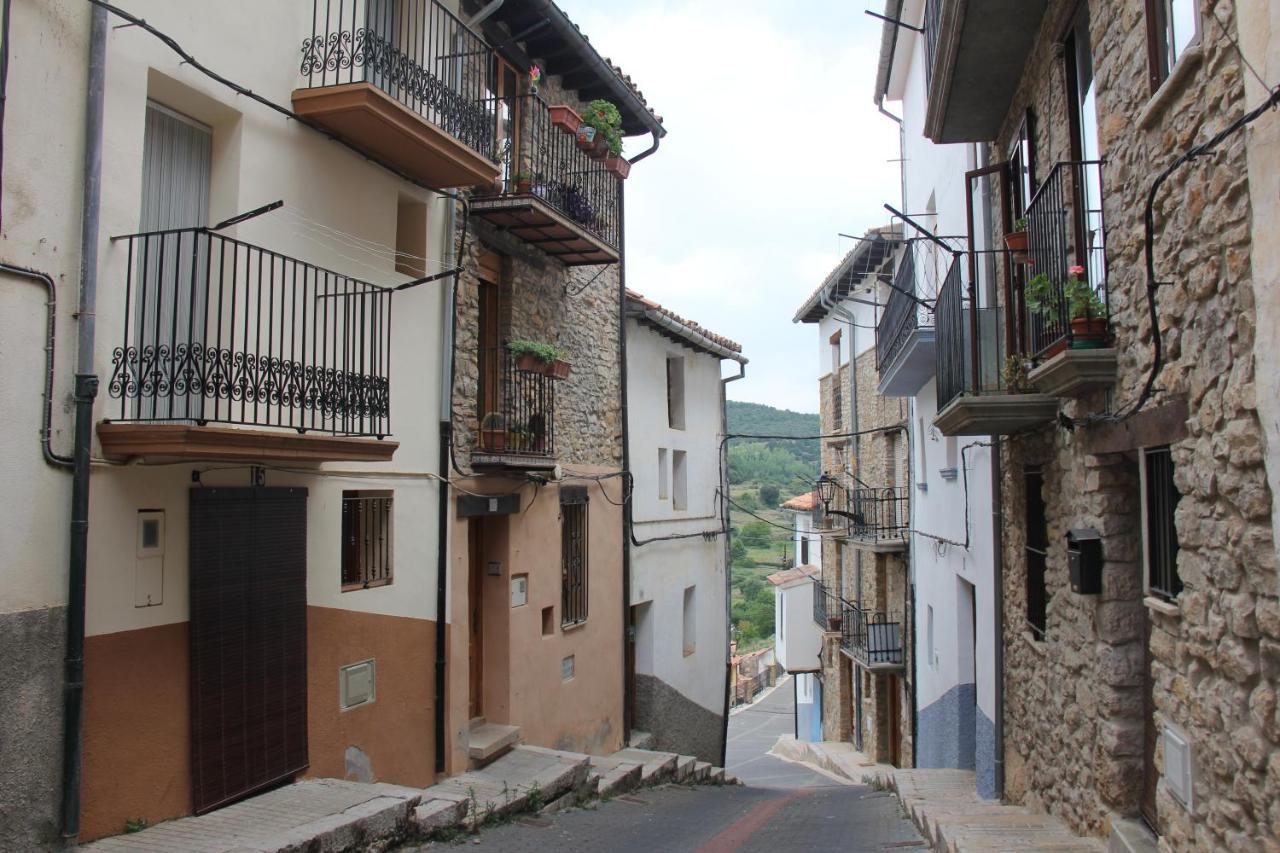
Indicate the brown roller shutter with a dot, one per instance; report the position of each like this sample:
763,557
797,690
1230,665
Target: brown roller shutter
248,640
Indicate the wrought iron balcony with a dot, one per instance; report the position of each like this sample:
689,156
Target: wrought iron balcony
905,334
405,81
219,331
879,518
515,414
552,195
872,638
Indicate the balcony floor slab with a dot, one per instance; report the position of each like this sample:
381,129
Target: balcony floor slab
1073,372
536,222
154,442
995,414
913,365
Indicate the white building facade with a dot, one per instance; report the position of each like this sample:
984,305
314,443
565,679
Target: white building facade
678,548
798,645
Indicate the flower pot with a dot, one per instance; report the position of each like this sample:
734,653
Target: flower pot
524,186
530,363
1059,346
566,119
617,164
834,623
559,369
586,137
493,440
599,148
1088,332
1016,242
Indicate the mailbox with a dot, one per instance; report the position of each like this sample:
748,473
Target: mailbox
1084,558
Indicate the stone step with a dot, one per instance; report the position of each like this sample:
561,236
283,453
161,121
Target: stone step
730,779
701,771
489,741
639,739
716,776
656,767
616,776
437,814
684,768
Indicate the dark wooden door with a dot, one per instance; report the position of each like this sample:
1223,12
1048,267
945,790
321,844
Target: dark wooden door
248,565
894,687
475,607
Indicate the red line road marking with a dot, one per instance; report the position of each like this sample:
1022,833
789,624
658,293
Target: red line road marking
749,824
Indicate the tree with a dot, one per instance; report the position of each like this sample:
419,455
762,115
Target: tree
769,495
737,551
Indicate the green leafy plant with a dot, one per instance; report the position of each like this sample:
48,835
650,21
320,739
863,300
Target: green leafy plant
1020,224
1039,293
605,118
1015,374
1082,300
545,353
494,420
135,824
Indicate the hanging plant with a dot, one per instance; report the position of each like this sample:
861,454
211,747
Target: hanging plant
535,77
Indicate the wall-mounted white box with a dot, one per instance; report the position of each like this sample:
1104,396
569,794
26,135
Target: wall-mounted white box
519,590
357,684
1177,765
148,576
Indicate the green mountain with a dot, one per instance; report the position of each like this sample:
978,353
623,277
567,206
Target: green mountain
759,419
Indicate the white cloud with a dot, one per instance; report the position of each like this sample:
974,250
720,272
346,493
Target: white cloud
774,146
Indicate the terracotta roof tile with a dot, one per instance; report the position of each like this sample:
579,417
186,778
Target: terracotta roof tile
803,503
791,575
688,324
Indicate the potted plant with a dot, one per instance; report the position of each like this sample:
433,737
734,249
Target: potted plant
565,118
534,356
586,137
604,117
1087,312
559,369
1016,240
618,164
535,77
493,432
524,182
1015,375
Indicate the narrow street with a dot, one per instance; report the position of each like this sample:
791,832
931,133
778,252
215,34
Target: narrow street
783,806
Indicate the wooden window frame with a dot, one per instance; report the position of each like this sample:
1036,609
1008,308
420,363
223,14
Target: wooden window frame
574,556
1148,522
380,570
1159,66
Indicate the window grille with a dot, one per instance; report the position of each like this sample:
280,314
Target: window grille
573,556
1037,551
366,539
1162,537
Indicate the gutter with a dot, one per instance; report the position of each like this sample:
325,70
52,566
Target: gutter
86,389
728,554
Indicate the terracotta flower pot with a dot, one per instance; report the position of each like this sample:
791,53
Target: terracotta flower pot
493,440
530,363
559,369
1088,332
566,119
599,148
586,137
524,186
1016,241
618,164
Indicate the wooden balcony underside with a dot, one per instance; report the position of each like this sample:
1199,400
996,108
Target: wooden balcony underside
393,134
165,442
535,222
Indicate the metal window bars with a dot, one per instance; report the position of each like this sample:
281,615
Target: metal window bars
872,637
217,330
970,343
879,514
540,159
416,51
573,564
366,539
516,407
1066,230
1162,535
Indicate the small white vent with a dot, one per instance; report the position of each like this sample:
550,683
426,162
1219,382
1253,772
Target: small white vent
357,684
1177,765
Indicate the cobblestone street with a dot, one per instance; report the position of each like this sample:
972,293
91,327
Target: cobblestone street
784,806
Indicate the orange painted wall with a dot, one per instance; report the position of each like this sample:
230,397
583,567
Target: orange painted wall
396,730
137,729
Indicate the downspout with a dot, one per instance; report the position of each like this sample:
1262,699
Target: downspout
46,416
628,629
86,389
728,558
448,299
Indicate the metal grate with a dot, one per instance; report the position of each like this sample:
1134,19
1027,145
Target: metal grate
1162,536
516,407
1037,551
872,637
573,561
366,539
878,513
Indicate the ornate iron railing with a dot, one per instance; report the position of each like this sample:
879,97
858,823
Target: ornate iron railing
1066,243
820,598
516,408
969,342
879,514
540,159
220,331
872,637
922,268
416,51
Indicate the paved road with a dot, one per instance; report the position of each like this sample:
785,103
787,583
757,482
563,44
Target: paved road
784,807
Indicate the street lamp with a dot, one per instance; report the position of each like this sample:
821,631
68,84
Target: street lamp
826,487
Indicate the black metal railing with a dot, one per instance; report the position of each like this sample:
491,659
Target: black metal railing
540,159
932,20
416,51
922,268
820,598
879,514
516,408
1066,243
220,331
872,637
1162,535
970,345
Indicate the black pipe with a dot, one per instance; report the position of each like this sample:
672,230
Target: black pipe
442,588
86,389
628,630
46,417
4,87
998,619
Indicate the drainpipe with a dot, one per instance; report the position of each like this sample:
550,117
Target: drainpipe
86,389
46,417
628,630
728,556
448,298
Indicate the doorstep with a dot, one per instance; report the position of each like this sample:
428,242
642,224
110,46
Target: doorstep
832,756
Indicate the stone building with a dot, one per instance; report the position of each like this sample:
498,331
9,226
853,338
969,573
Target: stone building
865,592
1118,352
537,542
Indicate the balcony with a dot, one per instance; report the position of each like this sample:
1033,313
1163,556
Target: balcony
553,195
872,638
515,415
977,395
1065,308
905,335
828,608
880,519
975,53
292,360
405,82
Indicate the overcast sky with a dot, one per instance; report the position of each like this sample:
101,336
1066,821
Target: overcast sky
774,146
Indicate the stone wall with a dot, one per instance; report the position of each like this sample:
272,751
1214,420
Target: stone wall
1074,699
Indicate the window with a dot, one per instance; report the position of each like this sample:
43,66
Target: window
1037,551
932,649
922,463
411,238
804,549
664,475
690,620
1172,27
1160,537
573,555
679,480
891,459
366,539
675,392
